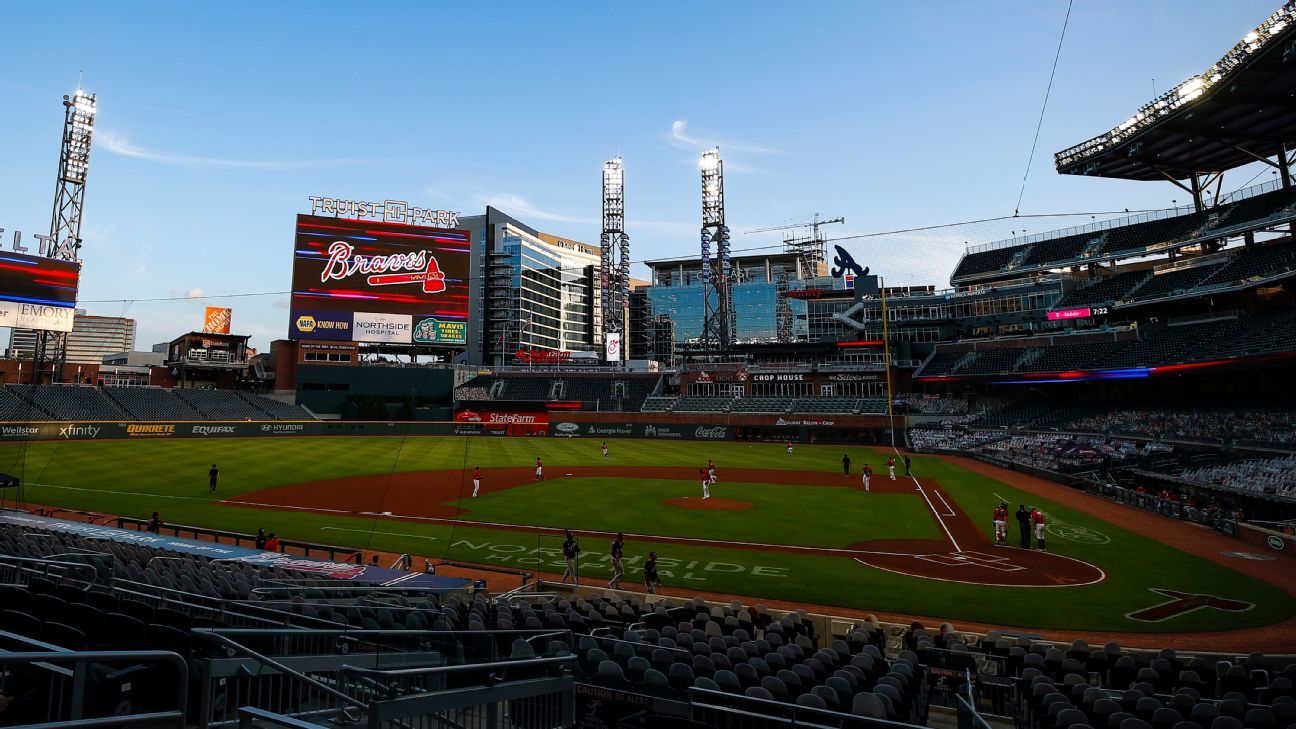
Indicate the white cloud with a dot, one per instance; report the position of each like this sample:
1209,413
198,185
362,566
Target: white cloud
120,145
679,137
523,208
194,293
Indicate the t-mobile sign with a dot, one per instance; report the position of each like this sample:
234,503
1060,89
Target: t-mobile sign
1069,314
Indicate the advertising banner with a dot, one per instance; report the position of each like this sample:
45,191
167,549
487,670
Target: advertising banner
1064,314
376,327
562,429
36,316
613,346
335,569
217,320
429,330
315,324
39,281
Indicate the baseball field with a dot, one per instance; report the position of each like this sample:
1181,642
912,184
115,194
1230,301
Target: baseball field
778,526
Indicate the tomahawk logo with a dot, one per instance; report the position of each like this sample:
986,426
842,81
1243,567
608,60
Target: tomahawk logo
418,266
1182,603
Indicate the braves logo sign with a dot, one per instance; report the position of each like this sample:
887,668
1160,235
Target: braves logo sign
397,268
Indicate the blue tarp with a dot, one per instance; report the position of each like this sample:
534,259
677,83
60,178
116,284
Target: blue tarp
355,573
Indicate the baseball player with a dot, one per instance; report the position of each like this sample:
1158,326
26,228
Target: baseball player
789,445
868,475
1037,517
571,552
891,466
846,465
706,484
1001,524
476,481
539,469
214,475
604,450
711,471
618,569
651,583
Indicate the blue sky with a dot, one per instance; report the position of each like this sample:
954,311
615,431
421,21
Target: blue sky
216,121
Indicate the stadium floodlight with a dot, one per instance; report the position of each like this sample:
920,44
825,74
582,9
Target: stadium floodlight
711,159
1187,92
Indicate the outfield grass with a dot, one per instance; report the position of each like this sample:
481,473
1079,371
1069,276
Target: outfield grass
137,478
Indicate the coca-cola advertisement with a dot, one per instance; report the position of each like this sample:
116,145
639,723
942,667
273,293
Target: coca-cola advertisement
378,268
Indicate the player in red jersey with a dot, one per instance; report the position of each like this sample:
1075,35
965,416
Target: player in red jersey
1001,524
891,466
476,481
868,475
539,469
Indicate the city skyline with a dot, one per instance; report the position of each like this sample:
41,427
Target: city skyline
891,117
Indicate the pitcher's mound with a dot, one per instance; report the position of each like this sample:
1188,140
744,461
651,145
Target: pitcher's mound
711,504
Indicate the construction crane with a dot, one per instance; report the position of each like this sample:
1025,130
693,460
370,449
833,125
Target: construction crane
809,248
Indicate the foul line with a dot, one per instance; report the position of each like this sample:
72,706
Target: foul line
930,505
948,508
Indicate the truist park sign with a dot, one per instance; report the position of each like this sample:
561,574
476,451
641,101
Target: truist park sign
388,211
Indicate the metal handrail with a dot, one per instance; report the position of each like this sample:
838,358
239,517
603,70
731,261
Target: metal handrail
267,661
375,673
53,658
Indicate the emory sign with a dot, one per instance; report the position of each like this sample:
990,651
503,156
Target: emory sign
388,211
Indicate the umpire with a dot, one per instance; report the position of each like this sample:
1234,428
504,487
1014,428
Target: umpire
1024,525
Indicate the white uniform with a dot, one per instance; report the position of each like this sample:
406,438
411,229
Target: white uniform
539,472
476,486
892,470
711,475
866,481
706,488
605,450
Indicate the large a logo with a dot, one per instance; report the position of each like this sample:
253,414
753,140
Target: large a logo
384,270
1182,603
843,263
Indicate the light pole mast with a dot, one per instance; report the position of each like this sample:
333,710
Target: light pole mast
65,225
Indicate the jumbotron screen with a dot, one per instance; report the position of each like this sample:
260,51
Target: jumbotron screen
37,292
370,281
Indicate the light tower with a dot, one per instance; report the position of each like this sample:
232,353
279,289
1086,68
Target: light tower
614,256
718,323
69,201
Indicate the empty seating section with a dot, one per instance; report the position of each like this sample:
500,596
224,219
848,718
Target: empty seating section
835,405
1261,262
526,388
941,363
695,404
1172,282
275,409
763,405
13,407
151,403
658,404
1226,219
1104,291
219,404
69,402
985,261
1227,337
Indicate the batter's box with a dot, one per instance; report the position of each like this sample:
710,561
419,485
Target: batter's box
974,559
